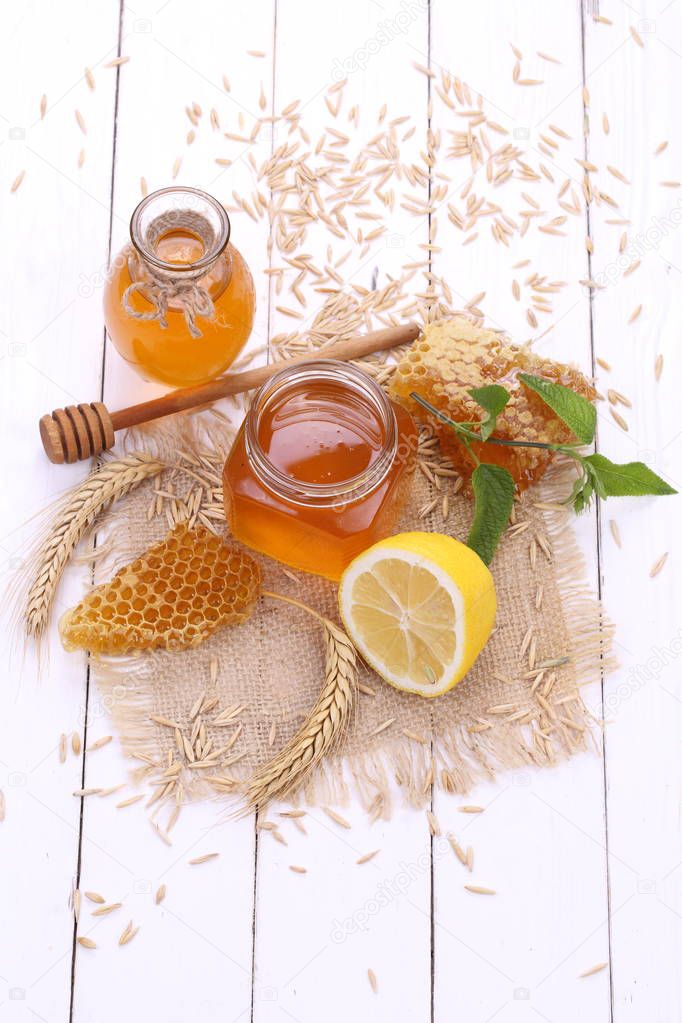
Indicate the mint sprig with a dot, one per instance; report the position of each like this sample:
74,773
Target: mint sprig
631,479
492,400
494,486
494,496
579,414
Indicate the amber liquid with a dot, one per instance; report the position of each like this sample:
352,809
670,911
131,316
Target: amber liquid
171,355
319,433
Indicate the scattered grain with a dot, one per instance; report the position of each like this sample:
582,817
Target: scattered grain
130,801
336,817
478,890
105,910
616,416
17,181
99,743
636,36
128,934
203,859
615,532
366,857
372,978
434,824
658,565
86,943
592,970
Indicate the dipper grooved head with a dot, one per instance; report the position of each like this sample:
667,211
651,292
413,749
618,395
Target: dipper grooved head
76,432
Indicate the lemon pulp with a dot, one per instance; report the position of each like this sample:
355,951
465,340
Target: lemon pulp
419,607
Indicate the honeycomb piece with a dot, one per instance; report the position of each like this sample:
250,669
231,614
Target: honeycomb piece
173,596
454,355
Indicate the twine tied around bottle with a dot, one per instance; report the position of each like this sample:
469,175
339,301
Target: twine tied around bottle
172,286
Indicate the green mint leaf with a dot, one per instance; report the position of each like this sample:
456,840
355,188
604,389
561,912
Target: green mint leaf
634,479
494,496
492,399
581,496
577,412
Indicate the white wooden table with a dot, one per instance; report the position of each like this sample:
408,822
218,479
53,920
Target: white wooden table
585,858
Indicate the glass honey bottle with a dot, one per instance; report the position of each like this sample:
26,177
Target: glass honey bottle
179,300
319,469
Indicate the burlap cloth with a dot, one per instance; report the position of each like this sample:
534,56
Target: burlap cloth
520,704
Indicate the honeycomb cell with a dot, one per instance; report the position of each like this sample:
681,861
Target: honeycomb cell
145,607
456,356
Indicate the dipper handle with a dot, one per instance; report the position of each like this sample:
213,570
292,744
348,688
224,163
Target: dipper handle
82,431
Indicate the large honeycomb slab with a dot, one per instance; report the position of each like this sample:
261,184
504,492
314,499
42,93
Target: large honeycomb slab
173,596
454,355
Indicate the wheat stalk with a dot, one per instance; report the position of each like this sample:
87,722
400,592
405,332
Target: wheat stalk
107,484
322,728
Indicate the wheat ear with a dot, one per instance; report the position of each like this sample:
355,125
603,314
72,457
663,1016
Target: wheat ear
322,728
104,485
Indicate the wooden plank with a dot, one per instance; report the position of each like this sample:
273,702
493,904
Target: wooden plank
525,946
325,929
51,348
204,926
630,84
321,932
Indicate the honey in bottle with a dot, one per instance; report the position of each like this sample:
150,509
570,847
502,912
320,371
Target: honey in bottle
319,469
179,301
451,357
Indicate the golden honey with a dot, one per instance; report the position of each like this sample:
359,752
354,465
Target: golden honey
453,356
179,302
319,468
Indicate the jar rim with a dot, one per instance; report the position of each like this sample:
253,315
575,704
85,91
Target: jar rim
322,494
215,210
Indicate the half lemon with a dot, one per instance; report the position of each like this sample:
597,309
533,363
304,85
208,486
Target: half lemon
419,607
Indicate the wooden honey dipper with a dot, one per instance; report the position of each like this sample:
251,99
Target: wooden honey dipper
82,431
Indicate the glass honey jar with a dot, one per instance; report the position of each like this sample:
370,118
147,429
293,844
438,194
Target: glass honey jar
179,300
319,468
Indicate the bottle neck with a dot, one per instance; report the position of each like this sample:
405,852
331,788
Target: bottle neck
179,260
179,234
319,372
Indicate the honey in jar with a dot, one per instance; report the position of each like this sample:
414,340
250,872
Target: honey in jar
179,300
318,471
